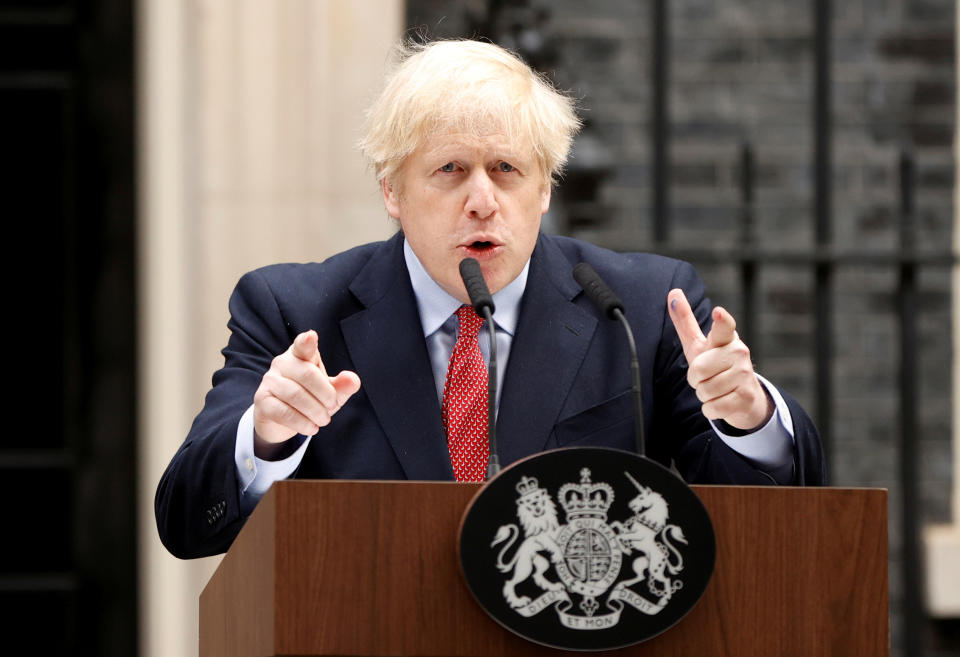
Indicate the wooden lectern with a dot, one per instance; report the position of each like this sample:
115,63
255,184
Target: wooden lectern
370,568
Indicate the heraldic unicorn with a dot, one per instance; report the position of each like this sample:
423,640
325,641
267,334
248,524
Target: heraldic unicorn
586,554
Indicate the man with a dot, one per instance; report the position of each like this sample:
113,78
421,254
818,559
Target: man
349,368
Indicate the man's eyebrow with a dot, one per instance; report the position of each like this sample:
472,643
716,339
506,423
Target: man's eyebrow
506,155
453,151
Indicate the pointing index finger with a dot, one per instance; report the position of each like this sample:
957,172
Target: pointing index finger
685,322
304,347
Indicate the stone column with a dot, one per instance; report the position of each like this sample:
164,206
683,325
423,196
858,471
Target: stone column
249,112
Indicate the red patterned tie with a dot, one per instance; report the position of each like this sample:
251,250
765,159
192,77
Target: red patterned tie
465,401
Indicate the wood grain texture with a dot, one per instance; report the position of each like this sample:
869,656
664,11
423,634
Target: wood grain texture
369,568
238,605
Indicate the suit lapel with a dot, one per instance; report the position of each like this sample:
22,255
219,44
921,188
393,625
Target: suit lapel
548,349
387,347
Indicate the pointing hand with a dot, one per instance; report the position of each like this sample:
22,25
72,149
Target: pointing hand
720,369
297,396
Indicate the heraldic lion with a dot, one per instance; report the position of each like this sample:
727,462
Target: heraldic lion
538,516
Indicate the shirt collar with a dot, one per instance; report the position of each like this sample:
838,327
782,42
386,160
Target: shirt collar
436,305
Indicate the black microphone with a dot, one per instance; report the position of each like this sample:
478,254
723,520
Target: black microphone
480,297
482,302
598,291
611,306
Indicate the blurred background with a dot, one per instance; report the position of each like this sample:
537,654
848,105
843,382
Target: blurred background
800,153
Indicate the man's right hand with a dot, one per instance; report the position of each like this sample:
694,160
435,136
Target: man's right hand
297,396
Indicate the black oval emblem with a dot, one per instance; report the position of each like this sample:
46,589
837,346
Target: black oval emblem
587,549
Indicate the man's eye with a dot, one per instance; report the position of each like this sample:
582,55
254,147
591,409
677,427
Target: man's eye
449,167
505,167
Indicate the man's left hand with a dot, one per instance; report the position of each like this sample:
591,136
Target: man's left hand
720,369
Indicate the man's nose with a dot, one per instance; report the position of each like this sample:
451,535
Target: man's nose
481,199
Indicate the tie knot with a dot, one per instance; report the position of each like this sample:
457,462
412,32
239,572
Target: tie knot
470,321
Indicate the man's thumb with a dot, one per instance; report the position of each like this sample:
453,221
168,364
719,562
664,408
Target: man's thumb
346,383
724,329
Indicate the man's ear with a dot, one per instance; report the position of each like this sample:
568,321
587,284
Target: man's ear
545,199
391,198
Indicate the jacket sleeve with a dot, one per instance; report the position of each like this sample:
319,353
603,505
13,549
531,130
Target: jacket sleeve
197,500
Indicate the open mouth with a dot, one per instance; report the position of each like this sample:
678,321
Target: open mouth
480,249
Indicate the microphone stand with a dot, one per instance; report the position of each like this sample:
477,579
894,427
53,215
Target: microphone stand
610,305
493,464
482,302
635,376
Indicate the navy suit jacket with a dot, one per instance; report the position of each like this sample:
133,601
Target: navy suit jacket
567,381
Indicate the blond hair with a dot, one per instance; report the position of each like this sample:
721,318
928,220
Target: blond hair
466,87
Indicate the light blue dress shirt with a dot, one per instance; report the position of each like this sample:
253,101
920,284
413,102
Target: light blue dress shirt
770,447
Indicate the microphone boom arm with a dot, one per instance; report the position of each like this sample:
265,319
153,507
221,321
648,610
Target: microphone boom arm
493,464
482,302
610,305
635,376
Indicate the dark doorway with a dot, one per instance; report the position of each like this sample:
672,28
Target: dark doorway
67,452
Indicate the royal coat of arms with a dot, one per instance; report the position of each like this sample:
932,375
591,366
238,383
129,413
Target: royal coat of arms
587,553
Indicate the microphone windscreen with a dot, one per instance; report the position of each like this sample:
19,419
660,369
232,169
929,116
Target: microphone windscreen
480,297
598,291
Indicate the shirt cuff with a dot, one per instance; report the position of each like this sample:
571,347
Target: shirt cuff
254,474
770,446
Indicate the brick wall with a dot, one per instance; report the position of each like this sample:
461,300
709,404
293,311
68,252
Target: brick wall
743,71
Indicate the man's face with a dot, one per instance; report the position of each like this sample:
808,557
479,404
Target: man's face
461,196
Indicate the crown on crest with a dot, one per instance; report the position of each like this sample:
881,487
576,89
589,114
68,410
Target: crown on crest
586,499
527,485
